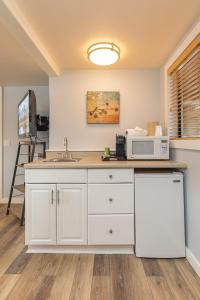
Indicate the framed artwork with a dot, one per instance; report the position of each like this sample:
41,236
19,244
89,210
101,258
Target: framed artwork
103,107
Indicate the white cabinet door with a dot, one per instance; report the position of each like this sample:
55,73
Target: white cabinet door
72,214
40,214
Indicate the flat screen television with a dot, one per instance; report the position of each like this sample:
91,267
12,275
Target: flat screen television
27,116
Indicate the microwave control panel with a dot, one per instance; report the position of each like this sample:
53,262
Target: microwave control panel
164,147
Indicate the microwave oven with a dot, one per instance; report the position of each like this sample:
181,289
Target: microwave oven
147,147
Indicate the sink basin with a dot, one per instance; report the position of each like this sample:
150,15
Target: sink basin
62,160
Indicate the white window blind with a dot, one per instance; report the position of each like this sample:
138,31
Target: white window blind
184,114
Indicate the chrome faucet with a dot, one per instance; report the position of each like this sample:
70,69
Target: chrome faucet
66,147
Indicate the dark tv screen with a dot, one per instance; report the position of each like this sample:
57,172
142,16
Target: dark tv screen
27,116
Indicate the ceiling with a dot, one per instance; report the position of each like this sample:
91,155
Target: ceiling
16,66
146,31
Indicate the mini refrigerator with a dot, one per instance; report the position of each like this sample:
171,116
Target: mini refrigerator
159,215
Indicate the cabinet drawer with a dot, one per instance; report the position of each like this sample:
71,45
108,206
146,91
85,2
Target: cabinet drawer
111,230
110,175
110,198
55,175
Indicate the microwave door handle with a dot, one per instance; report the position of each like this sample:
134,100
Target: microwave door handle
132,154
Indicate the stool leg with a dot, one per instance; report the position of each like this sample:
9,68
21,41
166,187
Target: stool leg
23,213
13,180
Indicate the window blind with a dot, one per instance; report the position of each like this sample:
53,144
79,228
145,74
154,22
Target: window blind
184,110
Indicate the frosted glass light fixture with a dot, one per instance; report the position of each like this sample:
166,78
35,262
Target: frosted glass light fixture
103,54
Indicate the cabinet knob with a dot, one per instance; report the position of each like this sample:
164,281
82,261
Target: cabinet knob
110,200
110,176
111,231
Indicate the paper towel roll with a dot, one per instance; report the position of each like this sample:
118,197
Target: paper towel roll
151,127
158,130
130,131
137,131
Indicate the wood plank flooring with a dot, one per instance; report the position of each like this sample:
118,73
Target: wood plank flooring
102,277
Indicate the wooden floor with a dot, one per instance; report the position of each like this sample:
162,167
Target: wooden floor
59,276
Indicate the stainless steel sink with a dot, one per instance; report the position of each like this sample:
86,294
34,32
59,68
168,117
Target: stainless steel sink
62,160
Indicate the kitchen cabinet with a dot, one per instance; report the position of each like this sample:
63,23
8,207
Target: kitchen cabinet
56,214
111,229
41,214
71,214
111,207
110,175
103,210
111,198
73,208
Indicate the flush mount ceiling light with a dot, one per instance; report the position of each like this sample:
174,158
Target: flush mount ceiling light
103,54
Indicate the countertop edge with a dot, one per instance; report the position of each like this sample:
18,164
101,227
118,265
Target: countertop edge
171,164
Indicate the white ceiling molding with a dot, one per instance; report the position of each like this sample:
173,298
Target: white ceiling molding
15,22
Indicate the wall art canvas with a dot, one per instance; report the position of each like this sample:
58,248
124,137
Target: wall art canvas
103,107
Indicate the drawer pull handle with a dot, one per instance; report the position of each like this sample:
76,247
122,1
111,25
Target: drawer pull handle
110,199
58,196
51,196
176,180
111,231
110,176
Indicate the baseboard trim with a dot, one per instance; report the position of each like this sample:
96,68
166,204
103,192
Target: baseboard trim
193,261
15,200
128,249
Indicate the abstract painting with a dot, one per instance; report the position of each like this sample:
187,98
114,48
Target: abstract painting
103,107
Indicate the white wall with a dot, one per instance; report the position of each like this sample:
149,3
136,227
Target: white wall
11,98
192,195
191,157
139,103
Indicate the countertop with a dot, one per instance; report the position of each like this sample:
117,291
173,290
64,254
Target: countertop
93,162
